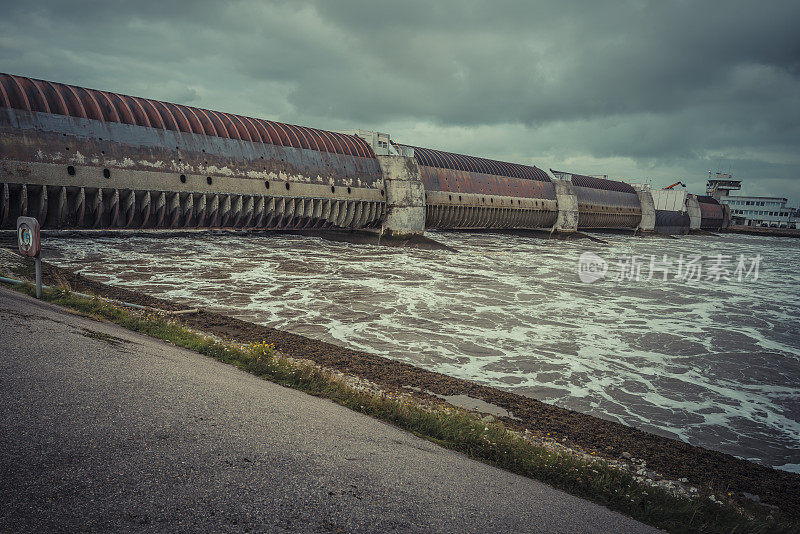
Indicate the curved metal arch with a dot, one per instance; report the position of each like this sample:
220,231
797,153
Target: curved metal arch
282,134
301,136
230,126
151,112
341,140
48,97
110,109
262,131
486,166
201,125
310,137
142,118
21,93
447,162
40,93
87,97
428,159
54,95
325,142
337,146
290,130
422,156
208,123
353,148
368,152
252,129
363,149
6,102
123,106
432,159
219,126
166,115
272,131
235,119
76,101
451,162
192,119
183,121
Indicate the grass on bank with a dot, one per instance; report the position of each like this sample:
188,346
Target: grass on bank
454,429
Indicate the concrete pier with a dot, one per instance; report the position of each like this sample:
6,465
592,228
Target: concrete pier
405,196
693,208
648,222
567,221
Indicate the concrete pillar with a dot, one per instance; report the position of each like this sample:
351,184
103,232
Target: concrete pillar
648,222
693,208
405,196
567,220
726,221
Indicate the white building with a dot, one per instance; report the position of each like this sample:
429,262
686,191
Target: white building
760,211
751,211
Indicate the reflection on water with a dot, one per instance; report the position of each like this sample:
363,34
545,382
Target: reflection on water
716,364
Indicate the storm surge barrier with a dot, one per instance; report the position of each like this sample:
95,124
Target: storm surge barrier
78,158
75,157
466,192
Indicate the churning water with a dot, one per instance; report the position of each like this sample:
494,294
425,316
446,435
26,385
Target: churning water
714,363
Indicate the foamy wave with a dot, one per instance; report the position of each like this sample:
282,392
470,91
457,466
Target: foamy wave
715,364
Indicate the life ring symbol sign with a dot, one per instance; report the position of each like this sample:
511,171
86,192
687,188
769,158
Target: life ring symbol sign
28,236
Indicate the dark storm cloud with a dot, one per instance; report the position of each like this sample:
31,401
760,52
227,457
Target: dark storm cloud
633,89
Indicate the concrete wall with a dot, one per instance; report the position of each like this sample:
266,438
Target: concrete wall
693,207
726,223
648,222
405,196
567,220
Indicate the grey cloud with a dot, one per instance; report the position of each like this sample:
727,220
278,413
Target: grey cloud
643,87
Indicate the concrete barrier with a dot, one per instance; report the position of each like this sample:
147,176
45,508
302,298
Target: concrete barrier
567,221
648,222
80,158
693,208
405,196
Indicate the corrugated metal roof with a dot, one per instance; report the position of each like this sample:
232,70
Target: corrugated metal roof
449,160
598,183
19,92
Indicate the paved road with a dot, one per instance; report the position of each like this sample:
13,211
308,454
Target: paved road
102,428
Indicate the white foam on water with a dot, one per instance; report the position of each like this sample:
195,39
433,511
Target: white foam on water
716,364
792,468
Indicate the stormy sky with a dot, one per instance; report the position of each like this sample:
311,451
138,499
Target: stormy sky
639,90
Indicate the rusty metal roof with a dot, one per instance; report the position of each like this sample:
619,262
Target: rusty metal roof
707,200
19,92
582,180
448,160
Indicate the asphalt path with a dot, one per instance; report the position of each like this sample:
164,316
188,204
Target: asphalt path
105,429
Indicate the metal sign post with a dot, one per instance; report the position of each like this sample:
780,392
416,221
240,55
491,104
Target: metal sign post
30,246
